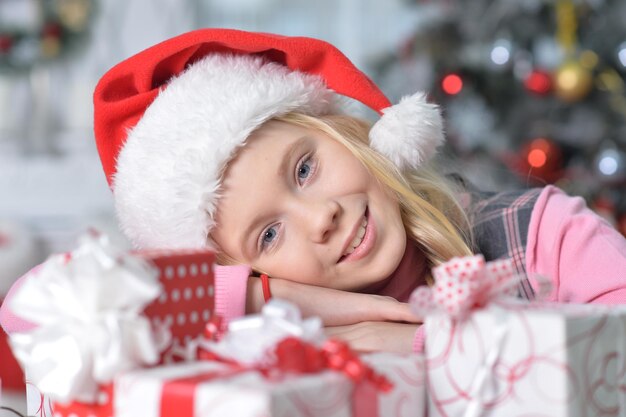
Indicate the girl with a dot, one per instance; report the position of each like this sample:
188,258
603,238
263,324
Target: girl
235,141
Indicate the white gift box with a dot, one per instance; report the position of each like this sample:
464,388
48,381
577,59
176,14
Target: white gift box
528,360
245,394
407,373
327,394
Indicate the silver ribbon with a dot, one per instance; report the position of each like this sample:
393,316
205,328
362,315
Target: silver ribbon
87,306
484,373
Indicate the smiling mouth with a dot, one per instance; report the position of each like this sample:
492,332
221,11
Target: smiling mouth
358,237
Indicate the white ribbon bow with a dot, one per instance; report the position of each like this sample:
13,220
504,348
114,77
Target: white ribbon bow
88,309
249,338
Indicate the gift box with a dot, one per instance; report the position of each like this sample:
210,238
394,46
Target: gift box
100,310
289,370
102,352
491,355
521,360
186,302
11,373
211,389
407,373
184,306
37,404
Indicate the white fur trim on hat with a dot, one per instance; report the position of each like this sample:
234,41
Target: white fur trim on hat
168,172
409,132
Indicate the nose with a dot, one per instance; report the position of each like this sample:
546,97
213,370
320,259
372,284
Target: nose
319,218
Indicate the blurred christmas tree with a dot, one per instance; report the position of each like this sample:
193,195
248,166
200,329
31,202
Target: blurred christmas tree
532,91
33,32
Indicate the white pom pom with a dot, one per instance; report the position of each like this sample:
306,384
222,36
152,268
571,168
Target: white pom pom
409,132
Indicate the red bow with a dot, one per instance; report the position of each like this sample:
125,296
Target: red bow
290,356
295,356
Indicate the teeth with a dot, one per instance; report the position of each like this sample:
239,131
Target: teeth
358,238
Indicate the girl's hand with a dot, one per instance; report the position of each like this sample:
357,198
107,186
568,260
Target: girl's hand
334,307
376,336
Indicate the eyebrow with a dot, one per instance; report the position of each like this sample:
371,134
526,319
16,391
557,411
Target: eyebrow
283,168
291,150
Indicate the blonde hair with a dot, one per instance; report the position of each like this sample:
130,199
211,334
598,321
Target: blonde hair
431,213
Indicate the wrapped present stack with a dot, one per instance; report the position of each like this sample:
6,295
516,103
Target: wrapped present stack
100,311
135,334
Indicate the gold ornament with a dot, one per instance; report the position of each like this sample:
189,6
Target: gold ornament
572,81
588,59
611,81
74,14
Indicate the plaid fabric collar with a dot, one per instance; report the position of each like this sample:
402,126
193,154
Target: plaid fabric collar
500,225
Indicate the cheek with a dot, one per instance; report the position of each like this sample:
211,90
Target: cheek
294,263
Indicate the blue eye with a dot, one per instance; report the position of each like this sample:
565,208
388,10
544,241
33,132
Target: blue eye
304,170
269,235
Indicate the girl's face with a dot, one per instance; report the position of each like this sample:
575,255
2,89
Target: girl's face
298,205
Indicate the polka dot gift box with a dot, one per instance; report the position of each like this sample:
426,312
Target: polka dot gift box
186,302
99,312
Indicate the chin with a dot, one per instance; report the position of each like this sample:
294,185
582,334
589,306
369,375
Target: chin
385,266
393,259
391,267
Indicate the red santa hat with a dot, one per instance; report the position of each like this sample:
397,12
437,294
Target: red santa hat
169,119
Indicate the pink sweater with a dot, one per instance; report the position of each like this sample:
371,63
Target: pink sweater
580,252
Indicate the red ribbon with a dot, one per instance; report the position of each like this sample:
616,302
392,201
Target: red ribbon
177,396
295,356
291,356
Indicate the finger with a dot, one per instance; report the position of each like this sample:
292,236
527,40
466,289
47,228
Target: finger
399,312
407,315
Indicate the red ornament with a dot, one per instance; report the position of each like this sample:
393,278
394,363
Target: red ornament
543,160
605,204
605,208
51,30
538,82
452,84
6,43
